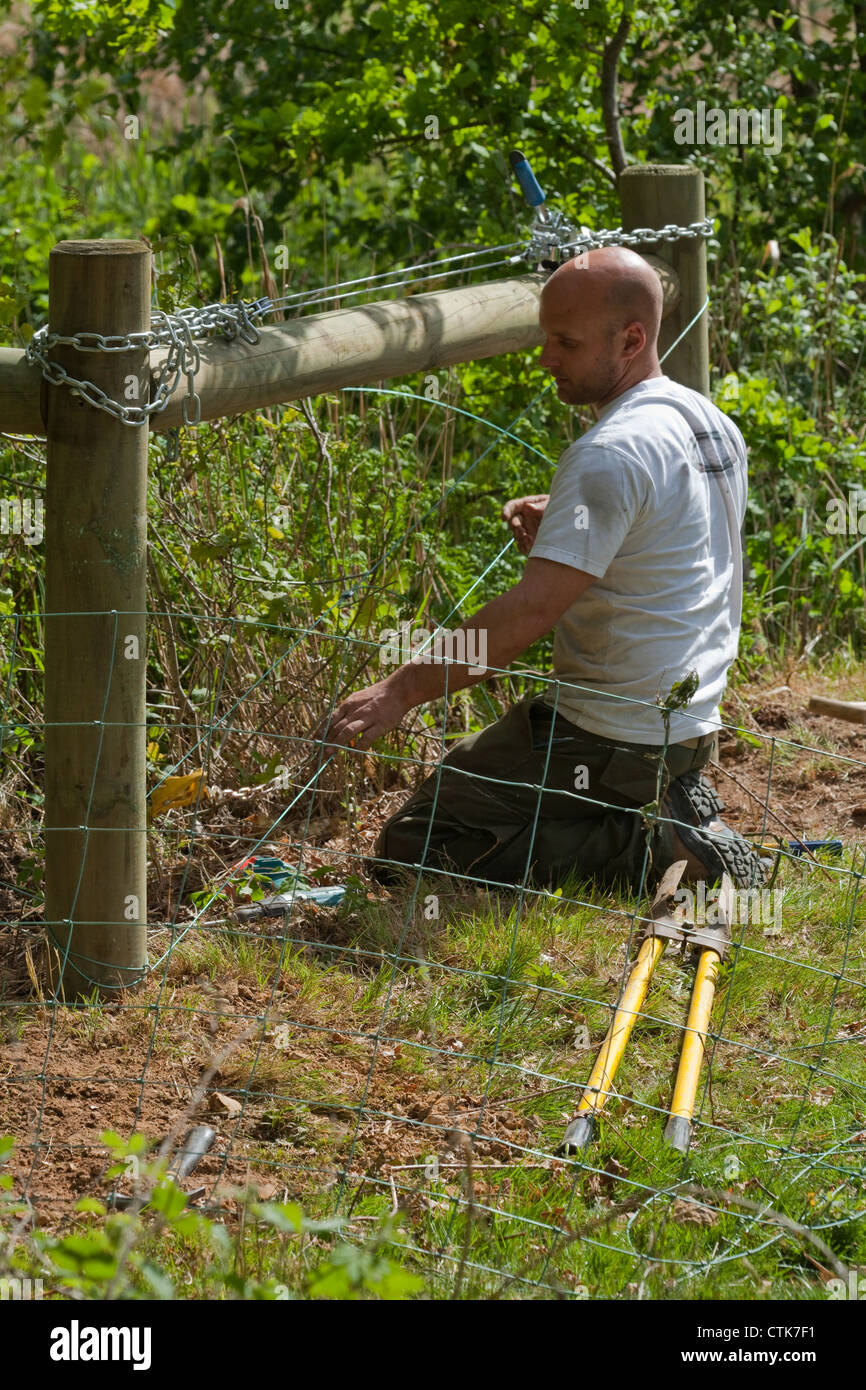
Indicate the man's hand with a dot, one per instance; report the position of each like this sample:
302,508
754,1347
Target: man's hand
364,716
509,624
523,515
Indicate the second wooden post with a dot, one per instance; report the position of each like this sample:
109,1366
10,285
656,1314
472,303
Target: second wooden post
653,195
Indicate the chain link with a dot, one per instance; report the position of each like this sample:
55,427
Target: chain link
644,236
178,332
551,236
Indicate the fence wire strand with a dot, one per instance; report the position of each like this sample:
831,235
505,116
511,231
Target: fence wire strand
323,987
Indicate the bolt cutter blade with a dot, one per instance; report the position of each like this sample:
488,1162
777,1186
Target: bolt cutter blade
577,1136
678,1133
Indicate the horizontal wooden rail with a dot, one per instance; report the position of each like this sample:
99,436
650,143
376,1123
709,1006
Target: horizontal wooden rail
20,393
324,352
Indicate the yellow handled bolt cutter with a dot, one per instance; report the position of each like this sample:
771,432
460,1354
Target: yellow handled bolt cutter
712,943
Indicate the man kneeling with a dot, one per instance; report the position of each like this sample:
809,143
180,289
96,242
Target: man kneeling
634,559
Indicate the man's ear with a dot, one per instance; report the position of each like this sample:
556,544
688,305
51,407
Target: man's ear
635,339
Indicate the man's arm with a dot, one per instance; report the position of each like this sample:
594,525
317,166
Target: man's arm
511,623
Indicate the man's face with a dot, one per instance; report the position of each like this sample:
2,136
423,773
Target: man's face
581,350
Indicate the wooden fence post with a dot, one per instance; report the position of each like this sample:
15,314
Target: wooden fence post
95,654
652,195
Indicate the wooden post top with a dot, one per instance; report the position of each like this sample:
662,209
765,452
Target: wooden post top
104,247
687,171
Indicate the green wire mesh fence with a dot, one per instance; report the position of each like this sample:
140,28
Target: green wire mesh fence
419,1047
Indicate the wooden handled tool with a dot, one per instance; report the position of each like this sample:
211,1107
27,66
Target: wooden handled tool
852,710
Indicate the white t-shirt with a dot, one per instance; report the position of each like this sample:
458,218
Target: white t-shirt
651,501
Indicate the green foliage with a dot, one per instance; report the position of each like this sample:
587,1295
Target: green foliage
389,510
802,581
391,122
681,694
133,1254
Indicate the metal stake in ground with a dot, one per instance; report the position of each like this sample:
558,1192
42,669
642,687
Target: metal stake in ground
95,576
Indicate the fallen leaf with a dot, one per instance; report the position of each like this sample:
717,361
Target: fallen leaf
614,1171
693,1213
176,791
824,1274
282,1037
823,1095
224,1105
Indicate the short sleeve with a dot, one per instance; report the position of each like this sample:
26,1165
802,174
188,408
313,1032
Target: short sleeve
596,497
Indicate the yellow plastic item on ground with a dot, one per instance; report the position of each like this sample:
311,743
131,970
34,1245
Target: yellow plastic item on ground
174,792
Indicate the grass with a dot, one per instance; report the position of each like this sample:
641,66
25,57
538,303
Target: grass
436,1076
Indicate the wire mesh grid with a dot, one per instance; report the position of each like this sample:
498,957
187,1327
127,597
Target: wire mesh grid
419,1047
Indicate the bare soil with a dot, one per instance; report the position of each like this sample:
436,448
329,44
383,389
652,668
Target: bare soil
301,1070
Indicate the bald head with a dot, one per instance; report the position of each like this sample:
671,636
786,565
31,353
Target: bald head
612,281
601,314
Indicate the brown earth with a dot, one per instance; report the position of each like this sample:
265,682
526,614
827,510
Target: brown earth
280,1085
303,1068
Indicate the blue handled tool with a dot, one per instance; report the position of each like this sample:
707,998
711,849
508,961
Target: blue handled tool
550,230
777,846
828,846
529,185
798,847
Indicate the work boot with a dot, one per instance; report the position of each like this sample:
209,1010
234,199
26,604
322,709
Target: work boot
695,798
693,830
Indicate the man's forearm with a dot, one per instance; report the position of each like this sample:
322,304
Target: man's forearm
499,632
488,641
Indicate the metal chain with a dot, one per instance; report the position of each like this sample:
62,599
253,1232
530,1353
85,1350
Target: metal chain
178,332
643,236
550,235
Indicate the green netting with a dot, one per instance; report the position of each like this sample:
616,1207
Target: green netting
420,1048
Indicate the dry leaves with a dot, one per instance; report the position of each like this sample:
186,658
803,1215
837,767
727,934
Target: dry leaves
220,1104
693,1213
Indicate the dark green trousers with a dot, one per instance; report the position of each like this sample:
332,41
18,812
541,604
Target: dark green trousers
533,798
